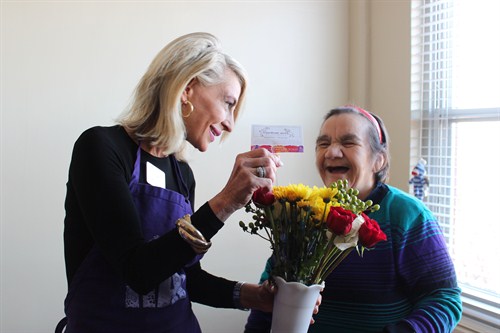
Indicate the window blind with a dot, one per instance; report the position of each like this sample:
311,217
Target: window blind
432,27
455,115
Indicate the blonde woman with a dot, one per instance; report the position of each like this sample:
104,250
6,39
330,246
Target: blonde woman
132,241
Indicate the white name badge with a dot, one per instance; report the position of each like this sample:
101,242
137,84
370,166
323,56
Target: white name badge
154,176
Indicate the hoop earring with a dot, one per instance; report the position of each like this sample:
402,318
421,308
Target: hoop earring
191,106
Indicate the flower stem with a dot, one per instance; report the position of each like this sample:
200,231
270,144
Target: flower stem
331,266
324,259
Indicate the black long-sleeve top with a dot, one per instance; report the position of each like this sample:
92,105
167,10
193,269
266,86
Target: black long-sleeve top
100,211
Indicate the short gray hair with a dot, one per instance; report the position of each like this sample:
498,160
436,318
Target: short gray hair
377,145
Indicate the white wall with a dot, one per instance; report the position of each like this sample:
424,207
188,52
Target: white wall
379,72
389,79
69,65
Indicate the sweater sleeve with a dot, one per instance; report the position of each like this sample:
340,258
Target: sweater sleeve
429,277
437,312
259,321
205,220
208,289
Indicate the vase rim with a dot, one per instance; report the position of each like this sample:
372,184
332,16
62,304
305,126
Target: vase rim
322,285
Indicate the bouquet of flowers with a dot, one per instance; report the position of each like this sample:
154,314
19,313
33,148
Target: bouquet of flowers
311,230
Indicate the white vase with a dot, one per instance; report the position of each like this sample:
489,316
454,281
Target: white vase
293,306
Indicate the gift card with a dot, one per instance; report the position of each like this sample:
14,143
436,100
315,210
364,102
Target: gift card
277,139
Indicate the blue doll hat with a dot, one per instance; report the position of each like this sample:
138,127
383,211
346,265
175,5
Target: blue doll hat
421,166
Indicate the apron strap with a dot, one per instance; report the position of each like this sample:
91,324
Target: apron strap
180,181
137,167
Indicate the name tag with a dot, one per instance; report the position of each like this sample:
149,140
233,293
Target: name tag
155,176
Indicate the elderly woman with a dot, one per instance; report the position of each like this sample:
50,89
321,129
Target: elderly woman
132,237
407,284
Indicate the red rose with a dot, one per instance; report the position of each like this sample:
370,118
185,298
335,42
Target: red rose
263,197
339,220
370,233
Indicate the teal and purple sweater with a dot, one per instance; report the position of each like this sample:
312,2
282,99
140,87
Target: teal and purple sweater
405,284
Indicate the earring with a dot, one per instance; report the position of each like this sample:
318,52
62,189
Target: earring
191,106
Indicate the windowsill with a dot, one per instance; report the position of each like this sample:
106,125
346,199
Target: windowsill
480,313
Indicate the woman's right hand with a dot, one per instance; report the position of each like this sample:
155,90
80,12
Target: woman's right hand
261,297
244,180
258,296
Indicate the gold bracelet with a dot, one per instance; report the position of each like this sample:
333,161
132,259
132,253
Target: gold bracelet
191,235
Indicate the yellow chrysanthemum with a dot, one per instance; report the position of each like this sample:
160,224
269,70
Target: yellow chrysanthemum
304,204
318,207
327,194
292,193
279,192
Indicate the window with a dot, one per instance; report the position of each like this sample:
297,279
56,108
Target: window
456,129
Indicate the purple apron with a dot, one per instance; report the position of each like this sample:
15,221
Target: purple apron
99,301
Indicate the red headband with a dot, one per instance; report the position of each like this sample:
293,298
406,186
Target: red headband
370,117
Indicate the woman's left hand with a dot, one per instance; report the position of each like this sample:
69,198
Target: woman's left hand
252,170
316,307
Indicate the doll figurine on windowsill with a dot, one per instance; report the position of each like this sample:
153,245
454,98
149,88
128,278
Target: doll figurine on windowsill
419,181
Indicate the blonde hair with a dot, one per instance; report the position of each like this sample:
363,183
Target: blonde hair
154,116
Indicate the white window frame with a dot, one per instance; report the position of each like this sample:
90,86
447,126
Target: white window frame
432,121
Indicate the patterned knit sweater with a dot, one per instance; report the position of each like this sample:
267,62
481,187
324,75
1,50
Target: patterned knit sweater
406,284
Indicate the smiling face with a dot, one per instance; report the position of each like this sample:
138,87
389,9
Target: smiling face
213,109
343,152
